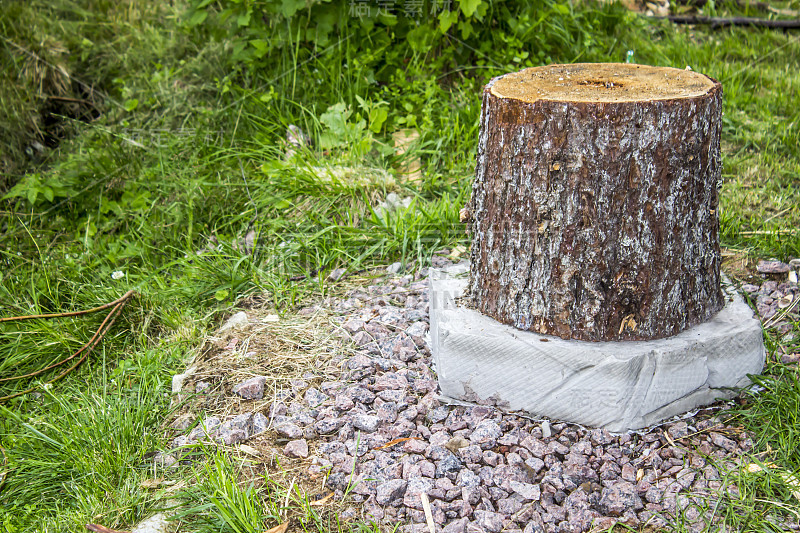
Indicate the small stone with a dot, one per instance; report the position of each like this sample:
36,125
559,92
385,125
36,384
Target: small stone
772,267
678,430
327,426
390,381
362,338
314,397
343,403
202,387
360,395
447,464
526,490
387,412
183,422
470,454
157,523
546,429
394,268
390,490
456,526
628,473
365,422
336,274
427,469
228,435
486,434
468,479
723,442
489,521
416,486
534,464
243,422
491,458
417,329
260,423
353,326
296,448
535,446
508,506
289,430
252,389
415,446
437,415
206,428
164,459
618,497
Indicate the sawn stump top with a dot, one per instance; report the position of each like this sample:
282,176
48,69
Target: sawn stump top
601,82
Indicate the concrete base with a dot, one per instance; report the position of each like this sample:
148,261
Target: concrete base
616,385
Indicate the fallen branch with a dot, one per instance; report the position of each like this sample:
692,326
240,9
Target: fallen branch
721,22
86,349
122,298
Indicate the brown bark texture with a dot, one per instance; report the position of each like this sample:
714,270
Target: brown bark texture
597,219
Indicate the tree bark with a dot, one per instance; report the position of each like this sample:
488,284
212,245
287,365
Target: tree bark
594,207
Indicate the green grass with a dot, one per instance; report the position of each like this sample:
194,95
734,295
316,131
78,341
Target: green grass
186,157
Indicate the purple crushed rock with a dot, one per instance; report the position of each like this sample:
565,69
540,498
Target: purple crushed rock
772,267
482,469
252,389
296,448
391,490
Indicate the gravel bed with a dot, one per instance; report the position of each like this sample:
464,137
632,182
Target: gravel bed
380,435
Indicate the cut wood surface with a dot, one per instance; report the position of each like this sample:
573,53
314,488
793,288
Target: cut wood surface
594,205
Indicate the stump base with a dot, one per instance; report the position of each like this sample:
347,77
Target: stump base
618,385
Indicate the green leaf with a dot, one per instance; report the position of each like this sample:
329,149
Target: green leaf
32,194
47,192
447,19
244,19
131,104
377,117
466,28
221,294
261,46
198,17
468,7
421,38
290,7
18,190
562,9
335,118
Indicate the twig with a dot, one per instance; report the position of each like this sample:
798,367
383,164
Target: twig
426,506
121,299
84,347
721,22
779,213
87,349
777,317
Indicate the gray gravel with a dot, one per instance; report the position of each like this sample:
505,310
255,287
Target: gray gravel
483,469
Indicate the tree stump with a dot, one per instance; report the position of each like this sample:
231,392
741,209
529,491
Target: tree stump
594,208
